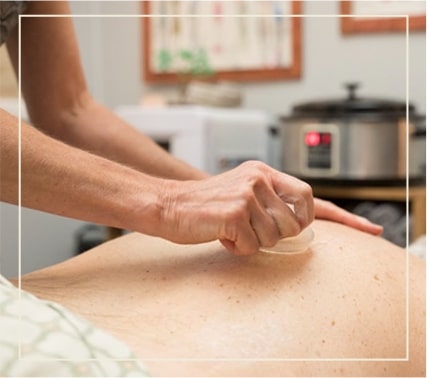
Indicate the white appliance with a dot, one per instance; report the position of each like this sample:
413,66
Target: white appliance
211,139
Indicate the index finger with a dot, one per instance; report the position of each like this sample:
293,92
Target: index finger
297,193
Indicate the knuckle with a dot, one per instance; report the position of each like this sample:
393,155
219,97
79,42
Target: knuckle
255,169
306,190
253,164
247,195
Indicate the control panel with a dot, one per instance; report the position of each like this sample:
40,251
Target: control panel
320,154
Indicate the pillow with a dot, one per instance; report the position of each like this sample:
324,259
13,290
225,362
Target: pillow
43,339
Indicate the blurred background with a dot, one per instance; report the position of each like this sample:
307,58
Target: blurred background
321,77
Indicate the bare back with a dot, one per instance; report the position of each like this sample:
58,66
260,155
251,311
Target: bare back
340,309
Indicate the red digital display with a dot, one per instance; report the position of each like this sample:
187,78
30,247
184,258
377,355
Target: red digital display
315,138
312,138
325,138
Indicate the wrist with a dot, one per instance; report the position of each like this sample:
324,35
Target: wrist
143,204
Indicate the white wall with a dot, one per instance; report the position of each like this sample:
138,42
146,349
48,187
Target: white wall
110,50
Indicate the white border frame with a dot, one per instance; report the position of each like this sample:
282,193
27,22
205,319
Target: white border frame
406,358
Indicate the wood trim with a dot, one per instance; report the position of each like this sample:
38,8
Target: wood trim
350,25
145,31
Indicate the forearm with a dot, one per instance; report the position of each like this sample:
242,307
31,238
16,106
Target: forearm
58,102
95,128
64,180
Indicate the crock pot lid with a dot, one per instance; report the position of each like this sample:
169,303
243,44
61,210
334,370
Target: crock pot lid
353,105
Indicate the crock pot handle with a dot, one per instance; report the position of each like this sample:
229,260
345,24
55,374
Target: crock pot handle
351,87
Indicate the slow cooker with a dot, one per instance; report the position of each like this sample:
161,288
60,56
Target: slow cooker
352,138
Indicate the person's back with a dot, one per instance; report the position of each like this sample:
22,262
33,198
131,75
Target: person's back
340,309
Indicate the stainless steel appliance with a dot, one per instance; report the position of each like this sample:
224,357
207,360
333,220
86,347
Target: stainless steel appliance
352,138
417,148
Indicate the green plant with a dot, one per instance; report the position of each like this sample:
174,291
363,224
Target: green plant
196,62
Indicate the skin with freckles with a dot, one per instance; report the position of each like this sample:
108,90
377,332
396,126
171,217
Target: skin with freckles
338,309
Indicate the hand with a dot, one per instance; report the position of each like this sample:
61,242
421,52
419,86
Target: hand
328,210
245,208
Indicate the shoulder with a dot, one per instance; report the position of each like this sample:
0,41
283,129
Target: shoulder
9,14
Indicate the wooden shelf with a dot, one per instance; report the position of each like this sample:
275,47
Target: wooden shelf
416,197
